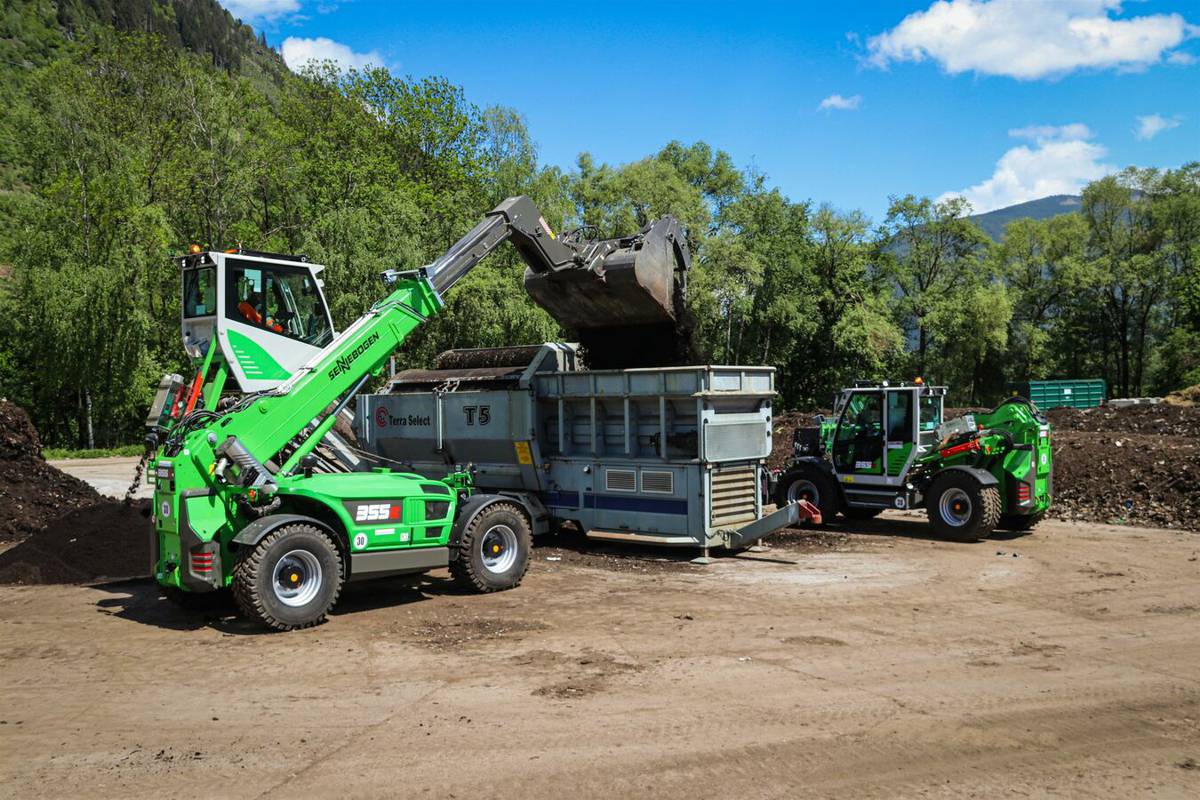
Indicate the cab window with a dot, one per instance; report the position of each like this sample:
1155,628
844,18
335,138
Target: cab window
200,292
899,417
931,418
284,300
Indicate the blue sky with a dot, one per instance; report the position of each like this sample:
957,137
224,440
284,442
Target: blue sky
1003,101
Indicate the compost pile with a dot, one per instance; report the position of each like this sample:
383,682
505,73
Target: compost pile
1138,465
65,532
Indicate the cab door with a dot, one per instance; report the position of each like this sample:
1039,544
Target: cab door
858,445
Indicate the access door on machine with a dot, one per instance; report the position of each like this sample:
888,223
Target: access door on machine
858,443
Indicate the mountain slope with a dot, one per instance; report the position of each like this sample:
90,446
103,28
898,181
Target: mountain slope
32,31
993,222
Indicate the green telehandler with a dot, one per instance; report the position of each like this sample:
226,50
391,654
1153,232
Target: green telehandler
243,498
887,446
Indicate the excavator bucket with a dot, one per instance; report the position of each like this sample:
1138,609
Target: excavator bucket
626,304
633,280
623,298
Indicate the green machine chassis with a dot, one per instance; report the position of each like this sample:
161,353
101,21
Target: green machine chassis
236,503
887,446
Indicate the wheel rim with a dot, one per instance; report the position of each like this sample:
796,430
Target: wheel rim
803,489
498,549
297,578
955,507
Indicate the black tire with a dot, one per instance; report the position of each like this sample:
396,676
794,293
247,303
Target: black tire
501,530
196,602
961,508
262,582
811,483
1020,522
861,513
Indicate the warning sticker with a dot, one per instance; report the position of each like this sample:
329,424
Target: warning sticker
524,454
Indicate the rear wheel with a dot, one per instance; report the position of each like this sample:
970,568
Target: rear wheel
961,508
290,579
493,551
808,482
1020,522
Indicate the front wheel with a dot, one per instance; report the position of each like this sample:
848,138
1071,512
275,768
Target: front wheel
805,481
961,508
290,579
493,551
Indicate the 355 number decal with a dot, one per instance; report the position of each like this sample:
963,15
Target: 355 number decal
373,512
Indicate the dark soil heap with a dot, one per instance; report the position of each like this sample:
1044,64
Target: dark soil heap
66,531
1138,465
32,493
1158,419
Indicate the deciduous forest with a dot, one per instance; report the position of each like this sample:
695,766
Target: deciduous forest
133,129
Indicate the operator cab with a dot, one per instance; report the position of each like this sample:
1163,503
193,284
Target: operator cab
265,311
882,427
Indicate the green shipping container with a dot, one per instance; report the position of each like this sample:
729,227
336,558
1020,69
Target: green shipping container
1083,393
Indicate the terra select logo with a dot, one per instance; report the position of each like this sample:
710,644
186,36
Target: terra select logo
384,419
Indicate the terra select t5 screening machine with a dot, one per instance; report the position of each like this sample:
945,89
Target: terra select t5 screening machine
666,456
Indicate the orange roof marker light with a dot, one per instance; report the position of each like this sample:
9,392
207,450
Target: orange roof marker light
919,381
193,249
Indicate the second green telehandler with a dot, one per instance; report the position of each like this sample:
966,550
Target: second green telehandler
888,446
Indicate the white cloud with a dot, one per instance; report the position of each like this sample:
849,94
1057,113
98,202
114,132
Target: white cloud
836,102
1052,133
1030,39
297,52
1152,125
1055,165
247,10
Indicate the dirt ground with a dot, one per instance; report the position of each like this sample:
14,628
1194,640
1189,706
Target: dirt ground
1064,663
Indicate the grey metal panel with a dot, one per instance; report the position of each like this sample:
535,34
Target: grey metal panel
396,562
734,441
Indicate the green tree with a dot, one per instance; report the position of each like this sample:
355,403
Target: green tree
933,255
1129,276
1041,262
